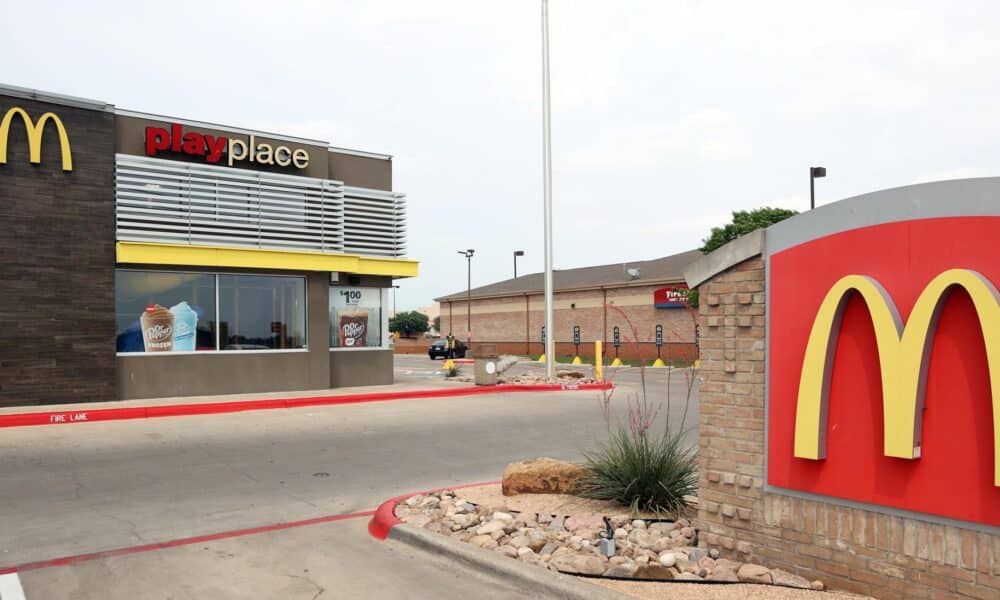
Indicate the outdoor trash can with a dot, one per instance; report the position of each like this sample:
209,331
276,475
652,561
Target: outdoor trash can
486,365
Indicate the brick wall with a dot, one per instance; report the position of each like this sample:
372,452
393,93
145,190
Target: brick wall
850,549
518,320
57,304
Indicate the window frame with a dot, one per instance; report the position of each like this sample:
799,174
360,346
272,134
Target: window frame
218,329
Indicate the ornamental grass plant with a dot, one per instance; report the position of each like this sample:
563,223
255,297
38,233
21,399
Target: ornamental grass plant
641,467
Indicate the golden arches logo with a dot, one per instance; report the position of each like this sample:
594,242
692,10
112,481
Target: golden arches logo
35,132
904,353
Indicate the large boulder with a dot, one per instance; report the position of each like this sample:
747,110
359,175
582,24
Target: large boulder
542,476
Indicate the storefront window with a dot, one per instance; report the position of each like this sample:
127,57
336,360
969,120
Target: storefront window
355,317
163,311
261,312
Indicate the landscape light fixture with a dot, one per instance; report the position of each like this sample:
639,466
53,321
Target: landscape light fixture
814,173
468,294
516,254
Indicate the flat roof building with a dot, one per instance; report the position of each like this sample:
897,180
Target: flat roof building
148,256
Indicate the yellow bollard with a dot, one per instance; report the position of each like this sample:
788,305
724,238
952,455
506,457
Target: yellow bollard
658,363
598,361
617,362
541,358
697,363
577,360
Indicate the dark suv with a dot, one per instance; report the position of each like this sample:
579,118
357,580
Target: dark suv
438,350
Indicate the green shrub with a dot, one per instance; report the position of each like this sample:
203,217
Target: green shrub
643,471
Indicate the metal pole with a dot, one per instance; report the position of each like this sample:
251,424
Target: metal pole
550,354
515,265
812,190
468,302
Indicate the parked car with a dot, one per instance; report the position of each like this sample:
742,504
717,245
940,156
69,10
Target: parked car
438,350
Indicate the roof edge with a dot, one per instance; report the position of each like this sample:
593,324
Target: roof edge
730,255
586,288
43,96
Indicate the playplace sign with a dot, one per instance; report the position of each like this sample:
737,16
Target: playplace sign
222,149
884,367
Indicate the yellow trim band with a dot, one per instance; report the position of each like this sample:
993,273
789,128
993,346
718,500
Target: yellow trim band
149,253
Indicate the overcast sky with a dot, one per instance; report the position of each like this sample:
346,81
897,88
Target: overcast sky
666,115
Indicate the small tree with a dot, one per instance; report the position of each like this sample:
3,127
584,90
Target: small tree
743,223
409,324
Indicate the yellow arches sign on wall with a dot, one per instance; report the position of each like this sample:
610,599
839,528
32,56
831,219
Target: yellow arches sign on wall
904,352
35,133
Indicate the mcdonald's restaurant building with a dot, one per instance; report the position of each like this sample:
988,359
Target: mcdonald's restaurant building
148,256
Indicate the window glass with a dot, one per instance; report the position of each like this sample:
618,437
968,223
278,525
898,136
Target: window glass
258,312
164,311
355,317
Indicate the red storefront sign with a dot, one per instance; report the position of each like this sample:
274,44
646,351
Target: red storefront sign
674,296
912,361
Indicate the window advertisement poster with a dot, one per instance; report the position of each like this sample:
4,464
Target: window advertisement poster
355,317
164,312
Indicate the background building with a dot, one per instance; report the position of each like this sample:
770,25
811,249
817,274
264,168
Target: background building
639,295
147,256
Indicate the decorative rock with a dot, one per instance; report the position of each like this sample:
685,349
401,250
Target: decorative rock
706,563
620,534
498,534
413,501
638,524
817,585
688,532
668,559
618,560
723,574
687,566
548,548
520,541
524,551
490,527
640,538
430,502
419,520
789,579
480,540
695,554
558,523
537,543
686,577
542,476
752,573
508,551
655,572
642,560
502,516
663,543
624,570
713,553
728,564
580,564
660,528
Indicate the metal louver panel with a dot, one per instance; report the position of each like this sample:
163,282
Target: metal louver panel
374,222
178,202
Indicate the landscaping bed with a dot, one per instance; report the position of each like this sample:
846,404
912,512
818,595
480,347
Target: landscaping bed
569,534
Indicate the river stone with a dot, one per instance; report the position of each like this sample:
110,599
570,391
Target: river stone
580,564
655,572
524,551
419,520
509,551
789,579
491,527
695,554
723,574
549,548
818,585
625,570
502,516
620,534
661,528
668,559
687,577
663,543
640,538
480,540
520,541
752,573
687,566
706,563
542,476
593,523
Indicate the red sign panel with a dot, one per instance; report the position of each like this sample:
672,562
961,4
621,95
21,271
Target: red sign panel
674,296
954,472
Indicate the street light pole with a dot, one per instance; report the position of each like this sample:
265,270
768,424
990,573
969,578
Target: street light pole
516,254
547,177
814,173
468,294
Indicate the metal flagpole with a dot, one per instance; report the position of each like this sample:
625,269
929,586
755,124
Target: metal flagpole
550,355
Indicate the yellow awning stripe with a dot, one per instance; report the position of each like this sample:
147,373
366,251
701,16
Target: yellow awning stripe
149,253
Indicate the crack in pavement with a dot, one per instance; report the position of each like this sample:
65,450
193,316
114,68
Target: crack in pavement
321,589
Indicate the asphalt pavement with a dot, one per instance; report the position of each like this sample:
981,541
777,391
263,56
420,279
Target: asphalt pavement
94,487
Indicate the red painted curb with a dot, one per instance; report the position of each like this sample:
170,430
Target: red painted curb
385,519
69,560
175,410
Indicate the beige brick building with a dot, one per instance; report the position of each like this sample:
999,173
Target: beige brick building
596,299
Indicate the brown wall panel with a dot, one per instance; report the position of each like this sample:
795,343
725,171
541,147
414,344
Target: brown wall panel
57,269
361,171
350,368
